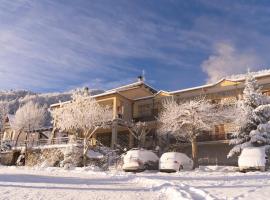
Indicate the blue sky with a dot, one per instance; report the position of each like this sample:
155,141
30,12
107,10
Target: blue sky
58,45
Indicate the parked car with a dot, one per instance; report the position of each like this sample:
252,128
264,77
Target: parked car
174,161
252,159
140,160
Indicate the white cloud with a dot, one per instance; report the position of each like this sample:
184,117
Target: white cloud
227,60
43,46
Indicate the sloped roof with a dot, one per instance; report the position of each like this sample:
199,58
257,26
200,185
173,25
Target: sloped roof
154,95
132,85
236,78
197,87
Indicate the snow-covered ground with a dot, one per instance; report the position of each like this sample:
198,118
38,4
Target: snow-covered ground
204,183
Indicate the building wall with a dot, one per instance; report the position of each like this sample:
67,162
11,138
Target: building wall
127,106
136,92
214,153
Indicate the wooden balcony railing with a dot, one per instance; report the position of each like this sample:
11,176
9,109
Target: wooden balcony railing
213,137
37,143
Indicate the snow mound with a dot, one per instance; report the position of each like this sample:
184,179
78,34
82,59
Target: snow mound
252,157
243,76
171,191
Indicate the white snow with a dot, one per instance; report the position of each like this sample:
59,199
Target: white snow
260,73
211,182
173,161
141,154
252,157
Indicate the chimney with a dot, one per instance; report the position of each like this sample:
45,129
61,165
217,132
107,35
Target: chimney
140,78
86,91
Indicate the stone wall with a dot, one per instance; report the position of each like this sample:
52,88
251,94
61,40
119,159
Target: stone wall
9,157
49,157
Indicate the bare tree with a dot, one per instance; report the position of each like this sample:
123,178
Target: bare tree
139,130
82,115
28,118
187,120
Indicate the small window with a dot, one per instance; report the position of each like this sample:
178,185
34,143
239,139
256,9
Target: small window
266,92
144,110
215,101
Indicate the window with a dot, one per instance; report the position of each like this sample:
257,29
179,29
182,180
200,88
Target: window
219,129
157,108
219,133
266,92
215,101
144,110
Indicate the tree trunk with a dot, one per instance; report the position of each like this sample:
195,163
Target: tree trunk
16,142
87,136
84,151
52,136
26,145
194,152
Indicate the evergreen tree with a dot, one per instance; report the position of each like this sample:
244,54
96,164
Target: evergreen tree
252,118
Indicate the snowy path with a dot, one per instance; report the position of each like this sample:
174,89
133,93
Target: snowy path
224,184
53,183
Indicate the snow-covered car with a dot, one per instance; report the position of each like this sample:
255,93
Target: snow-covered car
140,160
174,161
252,159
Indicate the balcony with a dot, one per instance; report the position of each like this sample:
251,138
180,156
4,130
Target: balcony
213,137
151,115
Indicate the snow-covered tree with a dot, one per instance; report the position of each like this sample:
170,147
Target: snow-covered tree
29,117
187,120
84,115
139,130
252,115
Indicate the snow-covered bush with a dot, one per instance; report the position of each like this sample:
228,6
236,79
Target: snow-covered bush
103,157
73,156
252,118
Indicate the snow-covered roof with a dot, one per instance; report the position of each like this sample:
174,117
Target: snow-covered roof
129,86
119,89
151,96
197,87
257,74
232,78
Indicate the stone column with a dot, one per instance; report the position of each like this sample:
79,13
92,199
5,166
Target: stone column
114,134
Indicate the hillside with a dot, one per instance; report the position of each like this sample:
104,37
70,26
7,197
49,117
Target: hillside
11,100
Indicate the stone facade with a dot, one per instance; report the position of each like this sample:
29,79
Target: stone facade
9,157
